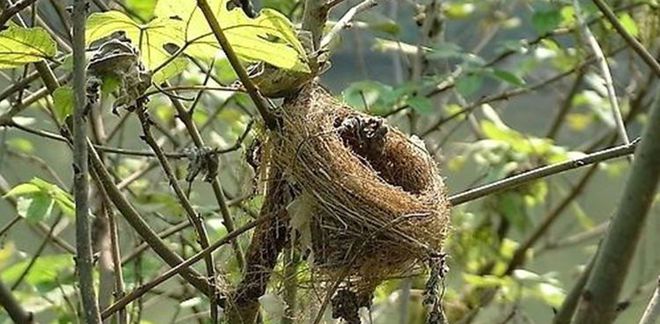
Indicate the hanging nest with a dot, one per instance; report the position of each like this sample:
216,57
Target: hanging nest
374,202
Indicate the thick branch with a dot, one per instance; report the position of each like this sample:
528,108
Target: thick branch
601,295
13,307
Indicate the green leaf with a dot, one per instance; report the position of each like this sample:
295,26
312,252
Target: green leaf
45,269
37,198
546,21
367,96
253,40
422,105
63,102
20,45
21,144
629,24
39,208
22,189
508,77
173,68
150,38
142,8
469,84
378,22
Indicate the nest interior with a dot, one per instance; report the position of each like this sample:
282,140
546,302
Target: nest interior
378,204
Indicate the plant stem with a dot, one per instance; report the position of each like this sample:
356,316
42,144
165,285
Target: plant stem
80,168
13,307
652,311
601,295
252,90
526,177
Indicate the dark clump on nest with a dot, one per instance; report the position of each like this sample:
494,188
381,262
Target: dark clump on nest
375,202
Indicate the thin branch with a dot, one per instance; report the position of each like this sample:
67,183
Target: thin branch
84,261
102,176
520,179
193,217
345,21
601,295
13,9
606,74
567,309
652,311
632,42
252,90
315,15
182,267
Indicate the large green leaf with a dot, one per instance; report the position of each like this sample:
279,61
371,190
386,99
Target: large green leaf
150,38
20,45
270,37
44,270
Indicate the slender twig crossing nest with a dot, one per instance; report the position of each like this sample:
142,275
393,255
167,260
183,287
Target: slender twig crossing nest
373,199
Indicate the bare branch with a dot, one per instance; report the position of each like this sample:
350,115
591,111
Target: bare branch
80,168
538,173
13,307
632,42
346,20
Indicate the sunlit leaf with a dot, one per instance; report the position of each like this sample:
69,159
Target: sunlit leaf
629,24
20,45
37,198
252,39
143,8
150,38
45,269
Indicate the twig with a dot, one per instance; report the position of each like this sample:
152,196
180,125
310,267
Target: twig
567,309
345,21
599,300
182,267
102,176
606,74
13,9
13,307
517,180
80,168
652,311
632,42
193,217
252,90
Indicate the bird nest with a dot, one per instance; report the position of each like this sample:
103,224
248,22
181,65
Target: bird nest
375,204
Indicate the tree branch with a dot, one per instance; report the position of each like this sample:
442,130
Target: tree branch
652,311
346,20
632,42
11,9
80,168
252,90
520,179
13,307
601,295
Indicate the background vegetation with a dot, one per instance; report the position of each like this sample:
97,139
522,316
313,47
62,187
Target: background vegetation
494,88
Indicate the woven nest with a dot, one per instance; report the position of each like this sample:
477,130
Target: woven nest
375,200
